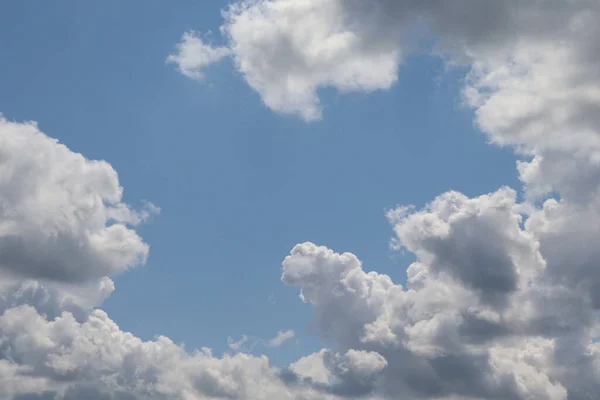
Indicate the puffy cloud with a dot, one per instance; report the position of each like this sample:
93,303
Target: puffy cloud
66,359
51,299
289,49
193,55
440,336
61,215
476,241
354,374
494,306
346,298
96,357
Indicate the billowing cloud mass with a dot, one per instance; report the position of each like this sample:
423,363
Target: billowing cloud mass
501,302
61,216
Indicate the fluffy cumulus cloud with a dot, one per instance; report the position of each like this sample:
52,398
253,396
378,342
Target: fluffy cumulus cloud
61,216
500,303
288,49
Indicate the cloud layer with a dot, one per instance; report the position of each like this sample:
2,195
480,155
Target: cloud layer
501,302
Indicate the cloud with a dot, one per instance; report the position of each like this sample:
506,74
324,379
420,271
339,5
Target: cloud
439,336
281,338
237,345
353,374
193,55
248,344
500,303
61,215
288,49
98,358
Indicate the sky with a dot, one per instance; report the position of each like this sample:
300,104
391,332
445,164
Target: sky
252,152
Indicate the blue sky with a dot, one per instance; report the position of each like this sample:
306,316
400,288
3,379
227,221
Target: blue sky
229,174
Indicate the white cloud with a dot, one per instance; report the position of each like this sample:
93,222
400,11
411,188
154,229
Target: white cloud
247,344
501,301
193,55
238,345
61,215
442,336
66,359
281,338
288,49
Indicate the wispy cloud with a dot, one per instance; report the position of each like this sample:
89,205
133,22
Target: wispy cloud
281,338
247,343
193,55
